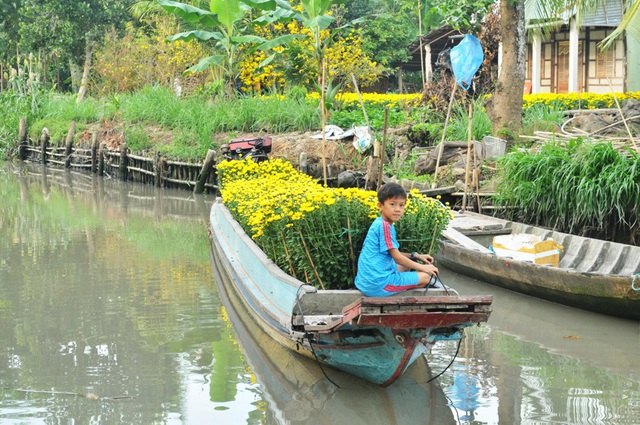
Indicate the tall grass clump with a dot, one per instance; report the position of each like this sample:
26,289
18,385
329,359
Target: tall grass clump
313,232
542,117
21,98
58,110
199,117
581,187
458,128
12,109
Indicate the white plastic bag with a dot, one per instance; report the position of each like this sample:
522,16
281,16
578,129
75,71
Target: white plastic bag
362,138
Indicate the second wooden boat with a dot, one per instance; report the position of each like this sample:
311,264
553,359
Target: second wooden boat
592,274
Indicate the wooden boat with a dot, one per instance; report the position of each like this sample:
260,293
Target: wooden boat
376,339
294,386
592,274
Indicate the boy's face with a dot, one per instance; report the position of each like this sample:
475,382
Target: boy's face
392,209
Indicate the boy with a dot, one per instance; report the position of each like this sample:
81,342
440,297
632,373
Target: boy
382,269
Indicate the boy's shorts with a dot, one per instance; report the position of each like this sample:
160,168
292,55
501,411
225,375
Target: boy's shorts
399,282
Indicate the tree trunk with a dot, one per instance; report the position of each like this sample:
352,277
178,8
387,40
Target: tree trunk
88,53
505,106
74,70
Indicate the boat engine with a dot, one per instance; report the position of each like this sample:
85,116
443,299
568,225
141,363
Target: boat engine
257,148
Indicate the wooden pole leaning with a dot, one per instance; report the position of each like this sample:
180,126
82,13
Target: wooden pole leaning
467,167
323,114
444,133
384,144
68,144
205,172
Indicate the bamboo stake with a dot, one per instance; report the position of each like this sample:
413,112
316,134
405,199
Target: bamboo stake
364,111
384,144
477,173
286,251
353,255
433,239
275,253
444,133
468,164
624,120
324,122
370,181
313,266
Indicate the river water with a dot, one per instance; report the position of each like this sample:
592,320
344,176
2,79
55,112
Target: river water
109,313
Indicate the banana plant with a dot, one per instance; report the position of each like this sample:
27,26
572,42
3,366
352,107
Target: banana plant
223,24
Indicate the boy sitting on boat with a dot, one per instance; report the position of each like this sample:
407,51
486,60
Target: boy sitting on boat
382,269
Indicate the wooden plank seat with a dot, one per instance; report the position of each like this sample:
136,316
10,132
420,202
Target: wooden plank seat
418,312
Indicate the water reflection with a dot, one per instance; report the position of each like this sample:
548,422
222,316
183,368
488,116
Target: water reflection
106,288
298,392
540,362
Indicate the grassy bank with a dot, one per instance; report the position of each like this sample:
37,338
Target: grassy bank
575,187
156,120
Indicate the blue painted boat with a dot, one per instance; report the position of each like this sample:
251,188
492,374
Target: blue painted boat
376,339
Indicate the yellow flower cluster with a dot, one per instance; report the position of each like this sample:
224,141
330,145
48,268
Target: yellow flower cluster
312,231
390,100
260,194
297,62
416,202
136,59
347,57
578,100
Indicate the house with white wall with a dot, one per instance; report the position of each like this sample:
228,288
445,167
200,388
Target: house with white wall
568,59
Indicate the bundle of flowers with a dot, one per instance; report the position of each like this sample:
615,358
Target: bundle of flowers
313,232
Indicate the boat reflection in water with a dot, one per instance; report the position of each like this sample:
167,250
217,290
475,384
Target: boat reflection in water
298,392
542,362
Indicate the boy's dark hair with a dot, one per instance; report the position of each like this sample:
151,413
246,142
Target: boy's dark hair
391,190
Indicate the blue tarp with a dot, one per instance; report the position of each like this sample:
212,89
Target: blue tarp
466,59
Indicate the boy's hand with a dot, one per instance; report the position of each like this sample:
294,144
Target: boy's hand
431,269
425,258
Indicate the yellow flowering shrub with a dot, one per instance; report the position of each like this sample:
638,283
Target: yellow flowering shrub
136,59
297,65
313,232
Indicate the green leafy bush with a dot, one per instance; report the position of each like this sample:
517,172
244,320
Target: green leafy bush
579,187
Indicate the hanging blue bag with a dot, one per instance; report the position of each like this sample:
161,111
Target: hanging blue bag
466,59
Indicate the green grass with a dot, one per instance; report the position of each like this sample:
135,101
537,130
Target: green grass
578,187
541,117
458,127
183,128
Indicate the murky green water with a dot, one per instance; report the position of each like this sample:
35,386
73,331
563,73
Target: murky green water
109,314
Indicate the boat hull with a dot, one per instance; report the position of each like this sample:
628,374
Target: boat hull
286,378
610,294
283,307
373,354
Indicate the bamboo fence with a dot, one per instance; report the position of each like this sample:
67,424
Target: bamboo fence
121,164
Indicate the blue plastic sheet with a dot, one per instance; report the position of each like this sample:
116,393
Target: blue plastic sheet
466,59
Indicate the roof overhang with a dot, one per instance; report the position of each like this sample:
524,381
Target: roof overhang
604,15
